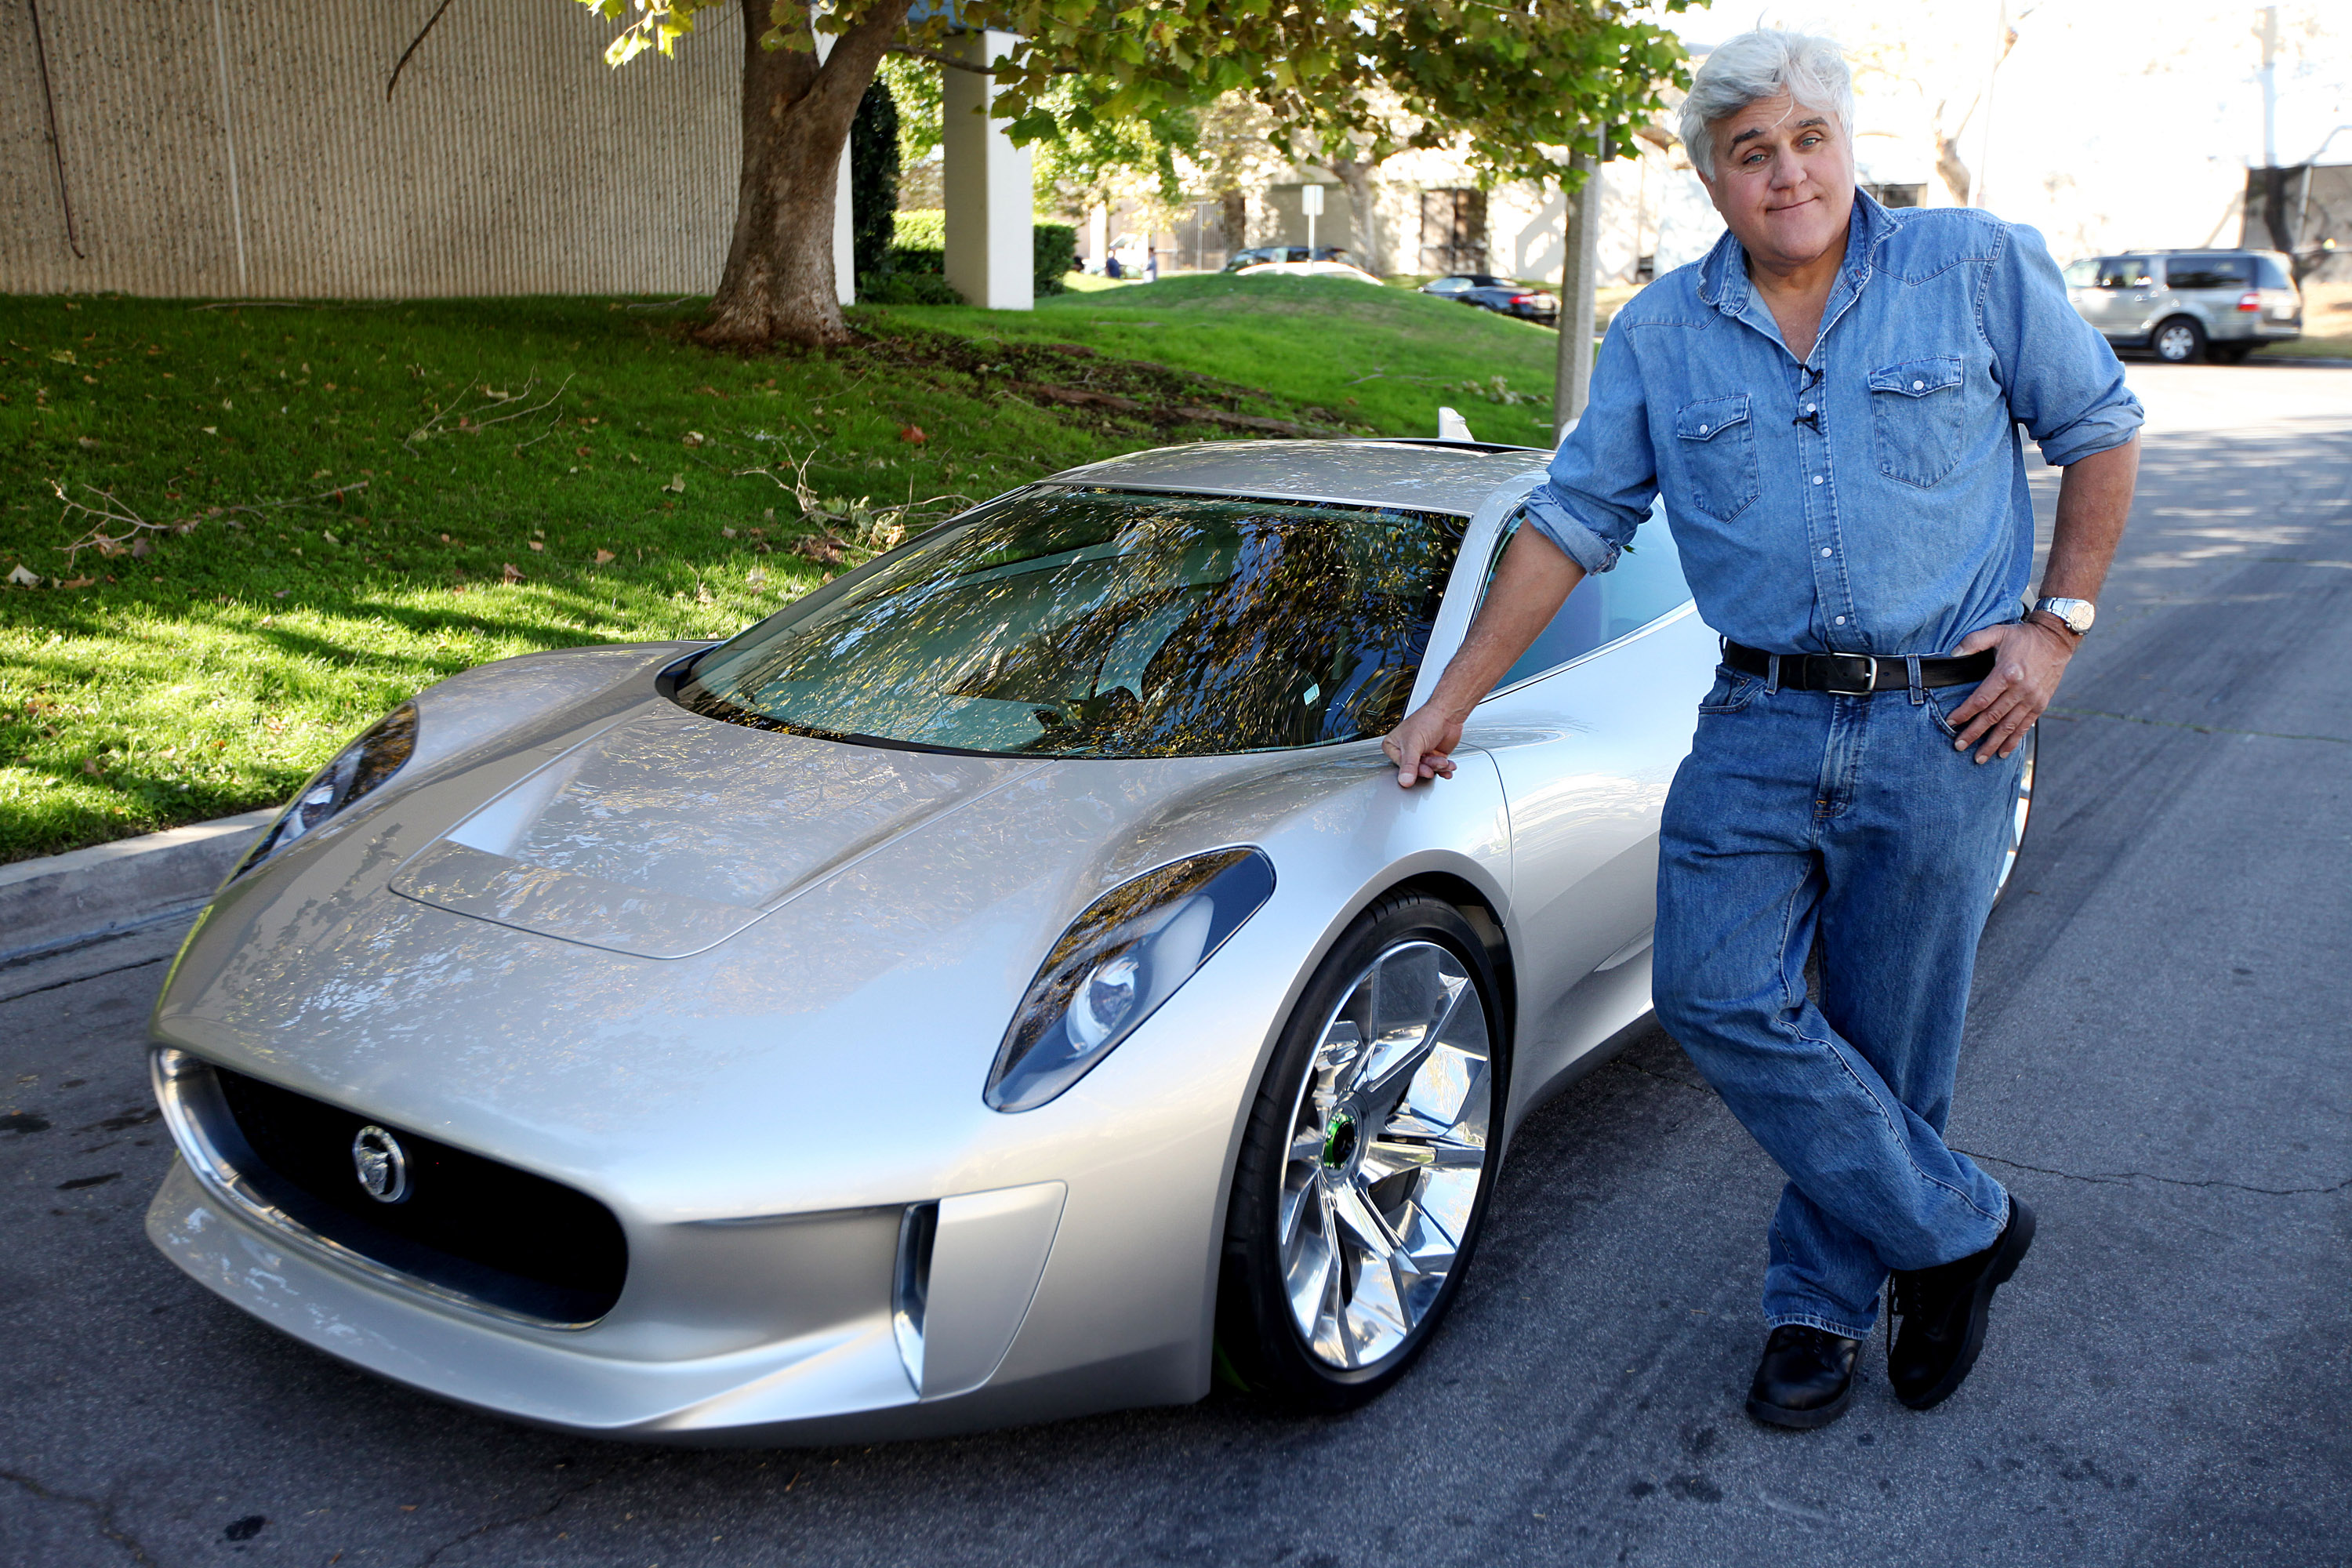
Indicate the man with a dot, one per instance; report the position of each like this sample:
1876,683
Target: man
1830,403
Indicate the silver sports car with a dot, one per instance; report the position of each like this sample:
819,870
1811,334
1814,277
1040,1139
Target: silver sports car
1004,984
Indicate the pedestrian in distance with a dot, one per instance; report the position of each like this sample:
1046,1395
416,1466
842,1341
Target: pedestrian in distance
1829,402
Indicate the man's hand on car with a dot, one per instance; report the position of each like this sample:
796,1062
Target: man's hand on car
1422,746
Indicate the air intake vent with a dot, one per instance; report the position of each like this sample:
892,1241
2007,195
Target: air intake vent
470,1226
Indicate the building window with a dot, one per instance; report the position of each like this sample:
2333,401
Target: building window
1896,195
1453,231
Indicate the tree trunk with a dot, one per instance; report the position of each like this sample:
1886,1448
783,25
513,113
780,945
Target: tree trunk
779,282
1233,205
1358,178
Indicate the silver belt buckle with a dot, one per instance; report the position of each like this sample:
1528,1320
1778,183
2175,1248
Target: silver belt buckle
1870,668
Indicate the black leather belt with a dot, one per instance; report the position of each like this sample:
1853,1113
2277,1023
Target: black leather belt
1857,674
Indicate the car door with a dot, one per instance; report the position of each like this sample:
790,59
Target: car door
1586,731
2118,302
2209,288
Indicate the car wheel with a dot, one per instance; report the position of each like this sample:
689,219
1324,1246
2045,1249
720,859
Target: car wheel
1365,1168
2179,340
2020,815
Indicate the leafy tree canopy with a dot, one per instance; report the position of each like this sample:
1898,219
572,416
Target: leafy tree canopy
1512,83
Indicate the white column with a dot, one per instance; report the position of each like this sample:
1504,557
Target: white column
989,203
845,247
1098,237
844,236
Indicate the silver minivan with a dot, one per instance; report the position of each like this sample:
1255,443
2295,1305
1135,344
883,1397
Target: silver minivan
2186,305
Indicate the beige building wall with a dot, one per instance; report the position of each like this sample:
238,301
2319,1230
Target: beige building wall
216,149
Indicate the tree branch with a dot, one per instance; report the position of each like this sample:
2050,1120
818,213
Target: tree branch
435,21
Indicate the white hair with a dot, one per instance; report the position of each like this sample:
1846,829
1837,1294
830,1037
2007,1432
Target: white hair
1760,65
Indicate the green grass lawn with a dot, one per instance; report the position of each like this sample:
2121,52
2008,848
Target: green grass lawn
354,500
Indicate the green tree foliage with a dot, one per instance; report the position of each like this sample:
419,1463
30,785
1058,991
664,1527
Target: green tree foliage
873,179
1514,83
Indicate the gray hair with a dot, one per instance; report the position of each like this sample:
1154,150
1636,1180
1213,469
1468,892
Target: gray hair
1758,65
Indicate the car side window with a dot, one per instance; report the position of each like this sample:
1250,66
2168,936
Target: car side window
2082,274
2211,272
2125,272
2272,275
1645,584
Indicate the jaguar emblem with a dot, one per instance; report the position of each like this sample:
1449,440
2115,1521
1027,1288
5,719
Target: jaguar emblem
381,1165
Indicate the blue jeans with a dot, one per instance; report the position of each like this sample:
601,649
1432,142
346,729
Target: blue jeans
1849,825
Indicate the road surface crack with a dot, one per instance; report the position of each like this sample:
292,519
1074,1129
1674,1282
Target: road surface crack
563,1497
2199,728
2124,1178
103,1513
76,980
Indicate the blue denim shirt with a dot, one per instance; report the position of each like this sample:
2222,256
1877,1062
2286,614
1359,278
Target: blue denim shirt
1872,500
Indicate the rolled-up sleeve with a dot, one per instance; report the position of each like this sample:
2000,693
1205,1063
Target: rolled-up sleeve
1605,474
2064,382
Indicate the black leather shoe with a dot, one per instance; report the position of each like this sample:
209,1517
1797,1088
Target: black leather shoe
1943,1311
1806,1378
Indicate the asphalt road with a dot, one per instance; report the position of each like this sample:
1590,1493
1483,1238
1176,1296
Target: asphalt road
2159,1060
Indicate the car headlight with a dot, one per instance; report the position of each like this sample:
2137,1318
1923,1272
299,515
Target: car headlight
355,771
1121,958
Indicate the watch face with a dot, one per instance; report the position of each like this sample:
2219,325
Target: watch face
2076,613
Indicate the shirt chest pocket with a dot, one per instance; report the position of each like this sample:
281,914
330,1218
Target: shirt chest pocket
1915,409
1717,441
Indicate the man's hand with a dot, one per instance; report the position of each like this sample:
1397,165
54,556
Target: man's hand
1420,747
2029,657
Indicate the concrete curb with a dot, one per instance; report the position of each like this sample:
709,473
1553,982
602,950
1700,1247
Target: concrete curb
63,901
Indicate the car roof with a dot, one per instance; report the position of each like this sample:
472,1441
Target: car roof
1429,476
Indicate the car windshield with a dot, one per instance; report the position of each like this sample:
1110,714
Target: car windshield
1088,623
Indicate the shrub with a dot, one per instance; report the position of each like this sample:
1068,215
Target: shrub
902,286
1054,249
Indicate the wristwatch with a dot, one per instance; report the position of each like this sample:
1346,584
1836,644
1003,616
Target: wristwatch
2077,614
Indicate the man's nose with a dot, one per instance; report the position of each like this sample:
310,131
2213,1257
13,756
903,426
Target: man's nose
1787,171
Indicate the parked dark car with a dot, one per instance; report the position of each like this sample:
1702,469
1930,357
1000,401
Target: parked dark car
1259,255
1529,302
2187,305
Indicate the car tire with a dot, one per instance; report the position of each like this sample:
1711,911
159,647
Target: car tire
1344,1248
2178,340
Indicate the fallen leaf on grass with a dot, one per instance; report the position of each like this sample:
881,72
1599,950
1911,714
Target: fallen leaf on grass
822,548
605,555
677,482
23,578
702,595
76,581
90,765
692,438
512,574
534,544
328,537
142,548
212,429
86,442
913,433
583,451
726,533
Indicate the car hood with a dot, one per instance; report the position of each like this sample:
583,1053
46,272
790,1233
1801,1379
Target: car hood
668,834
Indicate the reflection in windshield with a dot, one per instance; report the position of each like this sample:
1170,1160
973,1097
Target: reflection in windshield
1107,623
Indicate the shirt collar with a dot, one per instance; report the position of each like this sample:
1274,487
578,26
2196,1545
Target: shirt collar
1723,276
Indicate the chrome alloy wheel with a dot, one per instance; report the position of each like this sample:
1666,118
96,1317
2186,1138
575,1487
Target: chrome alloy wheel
1388,1139
2176,342
2020,815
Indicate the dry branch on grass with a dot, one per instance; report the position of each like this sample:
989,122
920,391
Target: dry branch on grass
469,421
133,540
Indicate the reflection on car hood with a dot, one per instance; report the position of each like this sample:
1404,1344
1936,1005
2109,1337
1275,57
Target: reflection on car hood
668,834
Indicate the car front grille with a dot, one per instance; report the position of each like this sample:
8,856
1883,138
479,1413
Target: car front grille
488,1233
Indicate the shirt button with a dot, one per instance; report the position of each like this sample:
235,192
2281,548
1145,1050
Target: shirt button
1809,408
1825,551
1841,620
1817,478
1702,429
1917,384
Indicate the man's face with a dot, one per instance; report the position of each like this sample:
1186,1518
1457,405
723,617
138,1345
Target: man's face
1783,180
